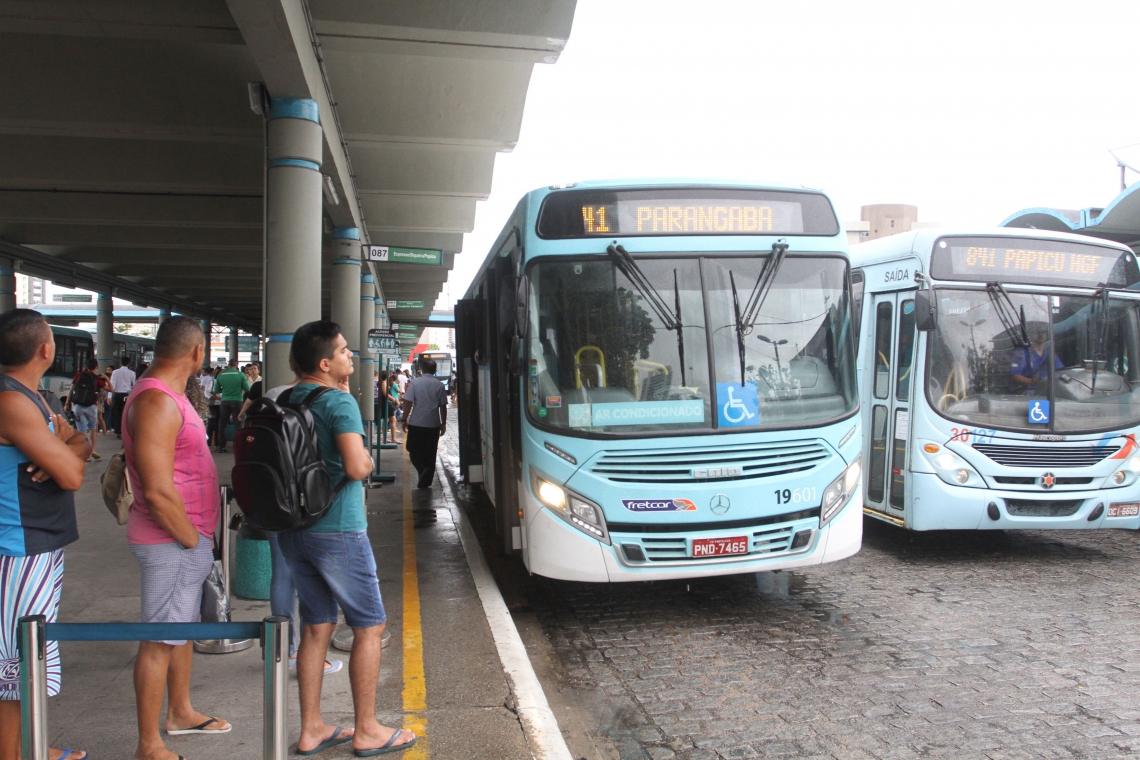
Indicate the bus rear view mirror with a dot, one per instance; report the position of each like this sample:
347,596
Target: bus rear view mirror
925,310
522,305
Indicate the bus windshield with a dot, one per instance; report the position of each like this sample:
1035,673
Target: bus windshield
604,359
990,365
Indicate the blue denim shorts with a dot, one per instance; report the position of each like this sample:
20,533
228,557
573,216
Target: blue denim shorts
331,571
86,417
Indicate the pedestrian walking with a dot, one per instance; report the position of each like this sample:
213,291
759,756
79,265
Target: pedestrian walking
83,401
230,386
122,380
206,380
332,562
172,520
425,420
42,461
104,404
393,405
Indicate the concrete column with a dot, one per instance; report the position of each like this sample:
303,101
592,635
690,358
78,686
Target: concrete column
163,315
292,230
207,332
233,344
345,307
104,331
367,360
7,286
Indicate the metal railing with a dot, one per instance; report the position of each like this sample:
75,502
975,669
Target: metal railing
35,632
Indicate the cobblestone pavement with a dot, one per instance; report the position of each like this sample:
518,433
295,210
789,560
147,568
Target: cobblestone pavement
995,645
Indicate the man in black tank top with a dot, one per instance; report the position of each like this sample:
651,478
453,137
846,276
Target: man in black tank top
41,466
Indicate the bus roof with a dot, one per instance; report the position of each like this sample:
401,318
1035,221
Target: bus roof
920,242
530,204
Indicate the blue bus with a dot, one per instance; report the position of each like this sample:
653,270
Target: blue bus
657,381
1000,380
74,346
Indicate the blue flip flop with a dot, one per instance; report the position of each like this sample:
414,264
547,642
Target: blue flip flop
387,746
68,753
332,741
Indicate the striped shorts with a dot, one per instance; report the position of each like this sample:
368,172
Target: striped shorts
28,586
172,580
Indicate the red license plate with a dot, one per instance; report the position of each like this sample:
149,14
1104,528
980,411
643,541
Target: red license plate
719,547
1124,509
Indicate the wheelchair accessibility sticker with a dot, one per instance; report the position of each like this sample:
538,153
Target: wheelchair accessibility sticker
1038,412
737,405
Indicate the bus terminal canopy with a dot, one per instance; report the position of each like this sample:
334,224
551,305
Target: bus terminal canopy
1118,221
134,156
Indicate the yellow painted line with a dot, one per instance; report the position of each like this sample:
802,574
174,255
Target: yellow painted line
415,686
882,516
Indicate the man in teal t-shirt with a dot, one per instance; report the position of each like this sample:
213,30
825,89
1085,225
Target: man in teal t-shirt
332,563
231,386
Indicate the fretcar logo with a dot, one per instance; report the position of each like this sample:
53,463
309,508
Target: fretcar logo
659,505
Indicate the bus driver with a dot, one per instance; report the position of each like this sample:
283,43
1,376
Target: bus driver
1029,361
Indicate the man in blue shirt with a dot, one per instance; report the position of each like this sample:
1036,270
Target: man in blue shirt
1030,363
332,562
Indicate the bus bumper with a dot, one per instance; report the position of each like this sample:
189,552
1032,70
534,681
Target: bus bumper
554,549
937,505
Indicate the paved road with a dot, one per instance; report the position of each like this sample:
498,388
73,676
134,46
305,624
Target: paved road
963,645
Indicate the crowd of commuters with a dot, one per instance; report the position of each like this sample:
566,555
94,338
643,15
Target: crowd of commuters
167,415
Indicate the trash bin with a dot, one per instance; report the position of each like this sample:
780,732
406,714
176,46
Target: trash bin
253,568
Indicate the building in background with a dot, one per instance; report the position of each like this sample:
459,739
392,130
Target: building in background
883,219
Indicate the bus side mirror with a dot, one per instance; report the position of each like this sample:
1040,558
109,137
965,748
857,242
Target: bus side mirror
522,305
925,310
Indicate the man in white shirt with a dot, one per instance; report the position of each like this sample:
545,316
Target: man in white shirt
122,380
402,381
425,420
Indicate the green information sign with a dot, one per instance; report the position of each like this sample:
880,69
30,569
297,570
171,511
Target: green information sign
71,298
394,254
405,304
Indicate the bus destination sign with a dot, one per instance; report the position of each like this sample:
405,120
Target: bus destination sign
684,211
1035,262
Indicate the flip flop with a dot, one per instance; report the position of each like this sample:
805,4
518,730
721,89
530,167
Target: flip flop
200,729
67,752
387,746
335,666
332,741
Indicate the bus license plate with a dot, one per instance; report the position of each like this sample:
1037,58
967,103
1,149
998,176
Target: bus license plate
1124,509
719,547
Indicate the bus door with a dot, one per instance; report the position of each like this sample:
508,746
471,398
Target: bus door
888,396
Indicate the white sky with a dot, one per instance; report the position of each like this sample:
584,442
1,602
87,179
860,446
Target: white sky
969,110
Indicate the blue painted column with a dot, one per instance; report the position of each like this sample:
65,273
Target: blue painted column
367,360
345,296
105,331
208,333
233,341
163,315
292,229
7,286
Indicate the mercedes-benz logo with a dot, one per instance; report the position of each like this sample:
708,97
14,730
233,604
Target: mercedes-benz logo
719,504
1048,481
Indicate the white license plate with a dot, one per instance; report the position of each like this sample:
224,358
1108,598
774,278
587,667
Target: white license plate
1124,509
719,547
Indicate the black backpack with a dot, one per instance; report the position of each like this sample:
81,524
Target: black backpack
83,390
279,479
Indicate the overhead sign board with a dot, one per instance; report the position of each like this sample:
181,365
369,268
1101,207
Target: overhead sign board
394,254
382,341
405,304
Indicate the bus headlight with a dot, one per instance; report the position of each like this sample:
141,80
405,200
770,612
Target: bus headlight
952,468
1125,476
836,495
580,512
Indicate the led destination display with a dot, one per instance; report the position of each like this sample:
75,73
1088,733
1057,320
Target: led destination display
1035,262
685,211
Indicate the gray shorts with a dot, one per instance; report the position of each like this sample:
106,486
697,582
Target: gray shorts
172,580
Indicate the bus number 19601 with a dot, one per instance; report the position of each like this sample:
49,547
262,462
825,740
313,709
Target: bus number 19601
796,495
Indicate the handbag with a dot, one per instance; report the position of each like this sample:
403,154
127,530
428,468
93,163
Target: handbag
117,494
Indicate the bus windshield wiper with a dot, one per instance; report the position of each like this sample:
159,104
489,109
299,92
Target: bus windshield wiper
1102,339
625,263
746,320
1008,314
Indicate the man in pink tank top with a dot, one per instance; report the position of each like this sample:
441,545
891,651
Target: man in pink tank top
170,529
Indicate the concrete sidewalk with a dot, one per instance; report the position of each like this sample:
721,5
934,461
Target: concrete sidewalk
465,710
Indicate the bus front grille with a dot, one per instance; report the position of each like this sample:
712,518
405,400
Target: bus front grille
770,541
1041,508
1045,456
713,464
